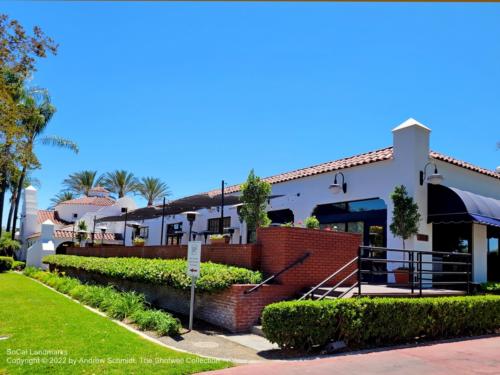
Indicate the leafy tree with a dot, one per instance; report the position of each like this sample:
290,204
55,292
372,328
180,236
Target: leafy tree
152,189
38,113
81,182
19,51
63,196
254,196
120,182
405,215
82,234
7,245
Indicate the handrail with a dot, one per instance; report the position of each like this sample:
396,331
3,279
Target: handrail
299,260
431,252
329,278
338,284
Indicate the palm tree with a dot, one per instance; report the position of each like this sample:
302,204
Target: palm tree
63,196
13,180
152,189
81,182
38,111
120,182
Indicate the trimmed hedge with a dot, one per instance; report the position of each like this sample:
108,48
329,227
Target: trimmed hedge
128,306
6,263
365,322
18,265
171,272
491,287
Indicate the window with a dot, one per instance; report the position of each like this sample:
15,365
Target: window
173,228
213,224
144,232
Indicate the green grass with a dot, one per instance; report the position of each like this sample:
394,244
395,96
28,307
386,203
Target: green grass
37,318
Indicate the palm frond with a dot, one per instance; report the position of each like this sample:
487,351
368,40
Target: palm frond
56,141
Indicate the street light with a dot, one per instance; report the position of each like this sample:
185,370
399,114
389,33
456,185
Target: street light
191,217
103,231
124,210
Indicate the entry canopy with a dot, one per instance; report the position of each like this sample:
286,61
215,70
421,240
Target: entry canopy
191,203
452,205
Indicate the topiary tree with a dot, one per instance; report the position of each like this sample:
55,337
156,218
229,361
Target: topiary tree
405,215
254,196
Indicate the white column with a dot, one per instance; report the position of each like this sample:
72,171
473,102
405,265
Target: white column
479,253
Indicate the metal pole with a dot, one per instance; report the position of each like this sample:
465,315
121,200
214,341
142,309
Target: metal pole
191,309
162,221
419,257
93,232
125,226
359,272
221,226
190,230
412,278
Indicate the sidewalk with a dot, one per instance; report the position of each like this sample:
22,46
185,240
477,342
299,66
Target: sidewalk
474,356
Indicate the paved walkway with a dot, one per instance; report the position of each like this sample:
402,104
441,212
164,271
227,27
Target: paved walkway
475,356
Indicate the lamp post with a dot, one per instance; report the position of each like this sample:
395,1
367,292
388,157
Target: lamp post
191,217
125,210
93,233
103,231
221,223
162,221
435,178
74,224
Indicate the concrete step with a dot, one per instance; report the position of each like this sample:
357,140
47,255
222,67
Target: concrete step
257,330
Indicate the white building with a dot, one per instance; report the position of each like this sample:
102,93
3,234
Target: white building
55,229
365,205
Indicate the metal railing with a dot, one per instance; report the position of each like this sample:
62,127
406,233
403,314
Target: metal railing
311,292
423,268
272,277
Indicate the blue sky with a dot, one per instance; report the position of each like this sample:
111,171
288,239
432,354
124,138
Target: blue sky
196,92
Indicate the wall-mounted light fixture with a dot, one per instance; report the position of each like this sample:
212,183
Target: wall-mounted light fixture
434,178
336,187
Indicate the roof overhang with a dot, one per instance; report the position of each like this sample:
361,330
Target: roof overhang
452,205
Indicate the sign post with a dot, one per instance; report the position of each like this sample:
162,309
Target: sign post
193,271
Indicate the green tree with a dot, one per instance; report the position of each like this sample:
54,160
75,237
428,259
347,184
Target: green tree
120,182
152,189
13,181
38,113
7,245
254,196
19,51
81,182
63,196
405,215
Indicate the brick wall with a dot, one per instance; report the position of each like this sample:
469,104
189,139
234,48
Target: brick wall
247,256
231,308
329,251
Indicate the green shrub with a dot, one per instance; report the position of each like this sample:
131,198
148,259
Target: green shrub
18,265
491,287
6,263
156,320
170,272
366,322
117,305
311,222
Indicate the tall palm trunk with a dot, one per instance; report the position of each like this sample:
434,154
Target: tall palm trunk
3,187
11,211
18,199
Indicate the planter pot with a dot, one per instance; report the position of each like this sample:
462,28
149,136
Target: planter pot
219,241
402,276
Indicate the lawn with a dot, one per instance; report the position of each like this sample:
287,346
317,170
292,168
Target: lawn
59,336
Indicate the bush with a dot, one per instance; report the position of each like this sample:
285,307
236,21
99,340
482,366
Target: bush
156,320
491,287
311,222
170,272
366,322
6,263
18,265
117,305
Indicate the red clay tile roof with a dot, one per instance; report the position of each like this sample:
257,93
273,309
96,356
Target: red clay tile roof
464,164
99,189
353,161
51,215
69,235
94,201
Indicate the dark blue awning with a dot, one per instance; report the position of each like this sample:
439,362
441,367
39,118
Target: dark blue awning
452,205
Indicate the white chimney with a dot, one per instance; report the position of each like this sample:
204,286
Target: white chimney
29,221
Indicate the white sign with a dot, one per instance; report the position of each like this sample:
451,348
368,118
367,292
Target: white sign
193,258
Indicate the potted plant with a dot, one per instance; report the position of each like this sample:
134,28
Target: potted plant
219,239
139,241
311,222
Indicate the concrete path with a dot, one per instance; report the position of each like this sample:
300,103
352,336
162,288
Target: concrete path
474,356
